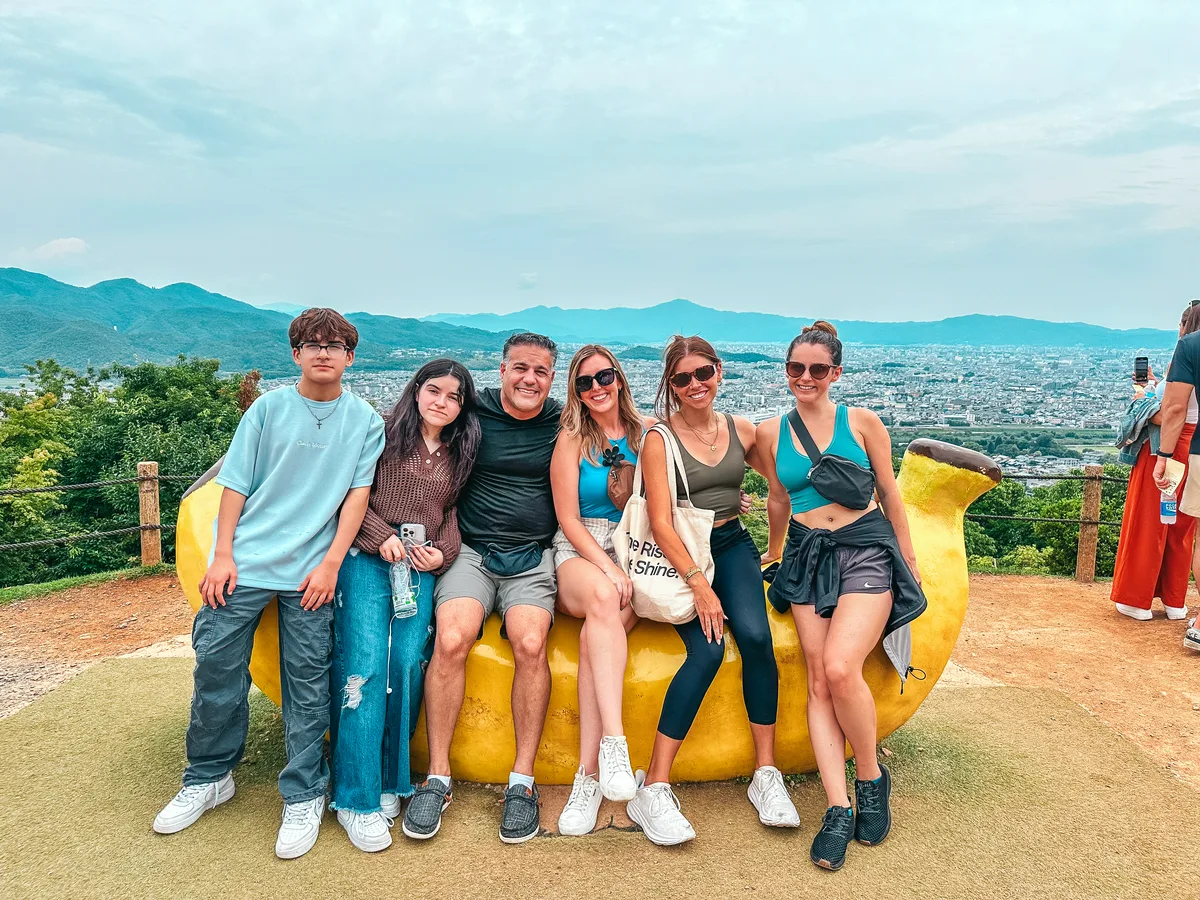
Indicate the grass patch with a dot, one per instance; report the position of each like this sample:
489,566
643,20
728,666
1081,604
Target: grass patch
25,591
266,753
937,760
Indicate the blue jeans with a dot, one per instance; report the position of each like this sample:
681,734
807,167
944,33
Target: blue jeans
223,638
374,705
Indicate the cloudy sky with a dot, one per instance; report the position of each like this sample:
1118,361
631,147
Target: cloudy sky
875,160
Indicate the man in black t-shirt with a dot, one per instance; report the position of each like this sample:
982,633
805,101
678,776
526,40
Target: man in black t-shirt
506,515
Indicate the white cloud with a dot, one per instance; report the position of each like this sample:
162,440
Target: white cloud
56,252
527,281
60,247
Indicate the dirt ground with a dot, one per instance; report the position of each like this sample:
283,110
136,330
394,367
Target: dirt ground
46,640
1136,677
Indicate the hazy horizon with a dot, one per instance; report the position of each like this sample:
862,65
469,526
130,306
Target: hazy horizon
853,161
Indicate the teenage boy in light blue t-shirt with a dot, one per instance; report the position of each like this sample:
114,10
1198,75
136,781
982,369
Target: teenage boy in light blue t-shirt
297,479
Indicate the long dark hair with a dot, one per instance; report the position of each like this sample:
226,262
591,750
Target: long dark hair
461,437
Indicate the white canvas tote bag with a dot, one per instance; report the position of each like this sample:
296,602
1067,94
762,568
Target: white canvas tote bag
659,592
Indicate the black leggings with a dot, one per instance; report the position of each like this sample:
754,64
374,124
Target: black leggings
738,584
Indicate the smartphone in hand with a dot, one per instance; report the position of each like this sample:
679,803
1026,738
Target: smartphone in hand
1141,370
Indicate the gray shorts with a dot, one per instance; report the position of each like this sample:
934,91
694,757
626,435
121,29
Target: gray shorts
865,570
467,577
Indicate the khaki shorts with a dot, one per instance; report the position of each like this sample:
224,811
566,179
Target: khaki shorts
467,577
1189,502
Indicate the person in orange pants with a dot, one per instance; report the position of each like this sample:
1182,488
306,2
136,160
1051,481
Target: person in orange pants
1153,559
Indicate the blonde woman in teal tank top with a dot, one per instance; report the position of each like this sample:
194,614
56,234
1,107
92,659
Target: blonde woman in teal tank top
876,570
599,420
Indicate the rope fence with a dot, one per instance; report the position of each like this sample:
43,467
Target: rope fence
70,539
51,489
150,526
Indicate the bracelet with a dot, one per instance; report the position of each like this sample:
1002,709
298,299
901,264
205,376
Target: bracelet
1165,454
691,573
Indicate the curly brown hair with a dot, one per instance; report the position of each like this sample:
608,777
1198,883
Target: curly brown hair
321,324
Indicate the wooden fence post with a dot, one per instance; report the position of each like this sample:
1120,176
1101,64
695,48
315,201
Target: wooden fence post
1089,535
148,513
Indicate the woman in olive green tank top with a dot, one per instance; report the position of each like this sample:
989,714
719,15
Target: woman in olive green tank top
715,451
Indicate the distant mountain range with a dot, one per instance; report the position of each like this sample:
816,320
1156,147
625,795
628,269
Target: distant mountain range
655,324
125,321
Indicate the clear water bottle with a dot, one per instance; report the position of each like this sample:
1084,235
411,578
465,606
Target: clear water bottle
1166,508
404,593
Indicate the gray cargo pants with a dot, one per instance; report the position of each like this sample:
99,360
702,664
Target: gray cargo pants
223,638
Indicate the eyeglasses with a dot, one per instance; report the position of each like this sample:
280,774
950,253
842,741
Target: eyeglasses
816,370
604,378
312,348
683,379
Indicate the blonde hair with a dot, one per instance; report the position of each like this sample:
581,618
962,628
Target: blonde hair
577,419
664,401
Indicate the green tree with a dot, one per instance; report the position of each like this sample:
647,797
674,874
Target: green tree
70,428
978,542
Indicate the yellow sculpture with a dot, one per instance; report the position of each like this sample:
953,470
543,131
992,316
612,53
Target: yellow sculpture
937,481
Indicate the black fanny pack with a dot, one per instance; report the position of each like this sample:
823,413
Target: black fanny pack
837,479
516,561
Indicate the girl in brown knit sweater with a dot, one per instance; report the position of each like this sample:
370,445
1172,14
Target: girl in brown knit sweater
378,660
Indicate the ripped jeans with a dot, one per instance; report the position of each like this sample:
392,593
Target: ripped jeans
370,726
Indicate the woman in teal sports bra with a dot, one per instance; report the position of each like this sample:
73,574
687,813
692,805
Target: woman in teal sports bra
599,422
848,574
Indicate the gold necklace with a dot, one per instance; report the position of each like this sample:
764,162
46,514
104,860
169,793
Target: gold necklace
712,444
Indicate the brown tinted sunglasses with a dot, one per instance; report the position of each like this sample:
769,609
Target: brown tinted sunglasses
683,379
817,370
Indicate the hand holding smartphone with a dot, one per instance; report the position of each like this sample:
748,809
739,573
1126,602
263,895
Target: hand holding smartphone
1141,370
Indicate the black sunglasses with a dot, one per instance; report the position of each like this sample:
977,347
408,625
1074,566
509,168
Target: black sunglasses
605,377
816,370
683,379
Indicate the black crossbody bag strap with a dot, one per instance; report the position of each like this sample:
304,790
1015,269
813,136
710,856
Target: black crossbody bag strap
810,446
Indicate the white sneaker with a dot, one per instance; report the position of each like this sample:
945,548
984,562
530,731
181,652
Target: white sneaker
1191,639
367,831
389,805
616,775
191,803
1134,612
656,810
579,815
301,825
1175,613
769,796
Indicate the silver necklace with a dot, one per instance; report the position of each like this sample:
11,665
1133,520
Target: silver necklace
320,419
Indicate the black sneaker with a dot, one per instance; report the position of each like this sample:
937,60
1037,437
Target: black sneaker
829,846
873,819
522,817
423,817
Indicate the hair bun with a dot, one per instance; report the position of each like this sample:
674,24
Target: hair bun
820,325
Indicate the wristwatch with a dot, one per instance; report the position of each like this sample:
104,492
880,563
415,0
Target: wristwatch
1165,454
